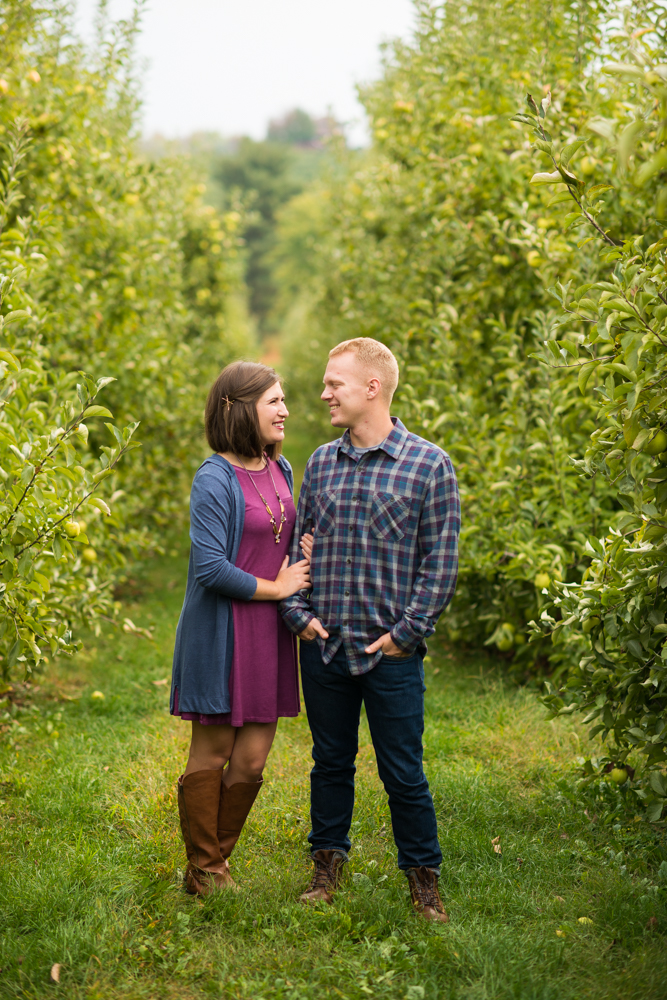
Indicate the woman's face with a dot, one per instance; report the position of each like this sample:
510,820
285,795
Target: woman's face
272,413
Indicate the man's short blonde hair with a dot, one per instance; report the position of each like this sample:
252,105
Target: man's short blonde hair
376,360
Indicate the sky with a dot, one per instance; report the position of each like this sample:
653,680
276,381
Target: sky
231,65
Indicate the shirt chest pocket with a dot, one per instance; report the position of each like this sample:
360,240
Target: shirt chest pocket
325,513
389,515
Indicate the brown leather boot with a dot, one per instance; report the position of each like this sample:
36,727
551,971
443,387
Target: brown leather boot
424,894
326,877
236,801
198,802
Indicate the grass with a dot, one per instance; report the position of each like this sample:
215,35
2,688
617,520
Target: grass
92,856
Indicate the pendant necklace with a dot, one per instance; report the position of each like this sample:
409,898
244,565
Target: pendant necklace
277,528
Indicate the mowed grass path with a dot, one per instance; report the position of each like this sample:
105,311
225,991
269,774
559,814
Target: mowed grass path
92,856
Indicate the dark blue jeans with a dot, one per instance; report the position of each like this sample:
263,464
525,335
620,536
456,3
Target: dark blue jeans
393,693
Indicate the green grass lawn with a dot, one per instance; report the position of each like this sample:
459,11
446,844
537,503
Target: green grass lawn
92,857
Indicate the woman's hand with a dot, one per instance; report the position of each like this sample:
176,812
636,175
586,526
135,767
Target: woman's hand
306,544
290,579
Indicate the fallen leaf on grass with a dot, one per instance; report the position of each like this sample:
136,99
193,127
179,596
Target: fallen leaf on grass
97,695
560,933
564,836
55,973
559,898
165,680
584,920
496,845
106,768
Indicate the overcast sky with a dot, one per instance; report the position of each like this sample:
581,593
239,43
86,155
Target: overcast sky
231,65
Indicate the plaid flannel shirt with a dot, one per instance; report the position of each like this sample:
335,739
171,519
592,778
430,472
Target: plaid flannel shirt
385,551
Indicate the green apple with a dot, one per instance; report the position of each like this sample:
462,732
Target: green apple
618,775
656,444
72,528
89,555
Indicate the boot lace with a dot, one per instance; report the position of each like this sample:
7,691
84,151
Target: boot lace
324,876
426,893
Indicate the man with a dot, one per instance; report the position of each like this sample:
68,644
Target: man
383,506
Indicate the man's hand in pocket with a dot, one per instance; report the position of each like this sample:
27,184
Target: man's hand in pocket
312,630
388,647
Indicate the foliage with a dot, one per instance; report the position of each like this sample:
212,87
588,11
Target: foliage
437,248
612,624
51,573
295,128
125,272
262,171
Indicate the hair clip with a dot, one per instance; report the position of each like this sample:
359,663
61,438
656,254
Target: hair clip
228,401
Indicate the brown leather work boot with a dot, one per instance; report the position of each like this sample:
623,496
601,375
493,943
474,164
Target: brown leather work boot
236,801
424,894
326,877
198,802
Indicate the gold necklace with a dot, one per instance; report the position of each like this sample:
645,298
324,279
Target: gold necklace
277,528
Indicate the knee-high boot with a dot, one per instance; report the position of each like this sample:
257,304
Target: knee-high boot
236,801
198,807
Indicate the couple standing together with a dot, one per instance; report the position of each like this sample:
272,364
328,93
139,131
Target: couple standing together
360,572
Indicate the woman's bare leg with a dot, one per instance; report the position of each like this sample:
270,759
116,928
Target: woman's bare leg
210,747
246,749
251,748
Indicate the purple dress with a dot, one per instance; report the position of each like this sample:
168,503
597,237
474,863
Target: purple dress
263,684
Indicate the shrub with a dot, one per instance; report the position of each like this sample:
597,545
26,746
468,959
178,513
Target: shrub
611,626
112,265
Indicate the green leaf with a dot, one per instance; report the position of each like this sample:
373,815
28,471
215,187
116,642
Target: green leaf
14,654
569,151
655,165
584,375
116,433
547,178
654,811
99,503
657,783
628,140
97,411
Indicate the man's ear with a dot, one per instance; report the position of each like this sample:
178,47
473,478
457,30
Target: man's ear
374,388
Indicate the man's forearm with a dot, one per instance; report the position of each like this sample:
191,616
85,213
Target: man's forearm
296,612
410,630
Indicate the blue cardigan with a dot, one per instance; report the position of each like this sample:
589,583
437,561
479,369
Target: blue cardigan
205,633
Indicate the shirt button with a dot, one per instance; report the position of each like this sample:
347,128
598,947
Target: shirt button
351,528
348,561
347,593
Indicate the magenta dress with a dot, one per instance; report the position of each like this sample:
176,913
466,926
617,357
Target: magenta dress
263,684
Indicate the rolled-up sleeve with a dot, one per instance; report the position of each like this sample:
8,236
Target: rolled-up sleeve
210,510
435,582
296,610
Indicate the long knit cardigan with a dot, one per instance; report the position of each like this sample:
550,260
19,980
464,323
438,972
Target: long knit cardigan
205,633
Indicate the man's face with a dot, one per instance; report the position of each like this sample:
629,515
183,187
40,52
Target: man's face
346,390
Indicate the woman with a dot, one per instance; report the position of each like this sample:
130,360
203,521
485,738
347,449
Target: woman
235,670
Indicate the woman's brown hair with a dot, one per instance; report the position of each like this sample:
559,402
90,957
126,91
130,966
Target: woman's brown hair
230,418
